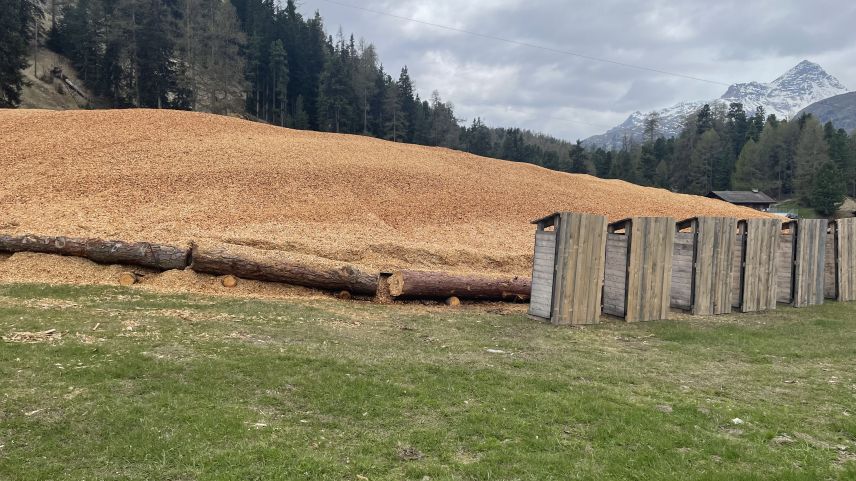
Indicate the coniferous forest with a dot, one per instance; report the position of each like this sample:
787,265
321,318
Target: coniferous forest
271,64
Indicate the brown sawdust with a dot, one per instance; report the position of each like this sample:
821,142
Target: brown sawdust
169,176
28,267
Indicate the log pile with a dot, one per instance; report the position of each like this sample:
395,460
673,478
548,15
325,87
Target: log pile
235,262
144,254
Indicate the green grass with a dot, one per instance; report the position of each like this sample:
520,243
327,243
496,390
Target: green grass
799,209
201,388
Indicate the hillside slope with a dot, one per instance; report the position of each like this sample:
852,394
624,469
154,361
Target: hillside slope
45,92
840,110
174,176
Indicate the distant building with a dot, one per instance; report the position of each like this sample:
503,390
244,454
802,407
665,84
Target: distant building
746,198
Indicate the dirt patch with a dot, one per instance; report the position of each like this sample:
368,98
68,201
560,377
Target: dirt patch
169,176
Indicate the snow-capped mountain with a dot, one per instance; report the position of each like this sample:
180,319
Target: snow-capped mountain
797,88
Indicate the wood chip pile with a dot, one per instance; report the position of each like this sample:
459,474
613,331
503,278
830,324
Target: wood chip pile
173,177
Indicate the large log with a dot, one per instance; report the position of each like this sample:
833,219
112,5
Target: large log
277,266
145,254
442,285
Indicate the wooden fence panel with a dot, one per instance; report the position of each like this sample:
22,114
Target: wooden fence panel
580,251
649,268
809,262
543,266
785,268
683,256
615,276
713,265
845,255
759,265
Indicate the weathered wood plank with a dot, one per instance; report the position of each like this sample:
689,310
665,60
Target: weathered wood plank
845,256
649,277
712,277
543,267
579,274
758,289
810,247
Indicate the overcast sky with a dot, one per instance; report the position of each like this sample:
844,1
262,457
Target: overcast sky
726,41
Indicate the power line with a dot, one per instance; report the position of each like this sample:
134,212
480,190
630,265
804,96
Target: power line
527,44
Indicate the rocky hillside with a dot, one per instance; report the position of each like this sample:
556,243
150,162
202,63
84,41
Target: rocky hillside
840,110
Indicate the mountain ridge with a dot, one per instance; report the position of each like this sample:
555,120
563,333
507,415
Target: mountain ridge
798,87
840,110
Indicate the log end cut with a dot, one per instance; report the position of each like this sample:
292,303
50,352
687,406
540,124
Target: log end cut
128,279
395,282
229,281
344,295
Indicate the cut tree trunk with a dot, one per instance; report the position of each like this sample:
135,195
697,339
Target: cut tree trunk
277,266
155,256
128,279
442,285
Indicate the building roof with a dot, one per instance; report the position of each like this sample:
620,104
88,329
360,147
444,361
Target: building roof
742,196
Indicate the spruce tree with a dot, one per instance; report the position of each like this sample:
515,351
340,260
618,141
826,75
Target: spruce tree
748,171
478,139
579,159
18,21
811,155
279,74
827,190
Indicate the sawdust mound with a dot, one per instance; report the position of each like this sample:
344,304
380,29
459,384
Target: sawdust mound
169,176
28,267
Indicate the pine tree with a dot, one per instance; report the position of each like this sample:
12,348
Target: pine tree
394,118
18,20
602,161
704,156
827,190
704,120
408,104
279,73
651,124
579,159
748,170
478,140
811,155
301,119
648,163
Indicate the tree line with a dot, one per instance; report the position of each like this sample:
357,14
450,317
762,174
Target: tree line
727,149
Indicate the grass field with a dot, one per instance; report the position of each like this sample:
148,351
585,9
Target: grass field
145,386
